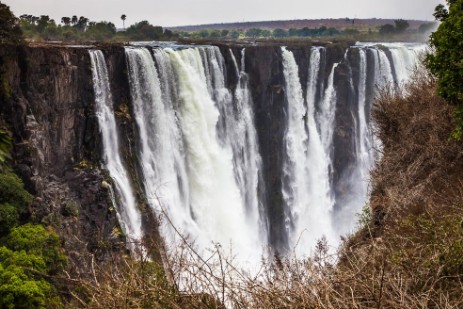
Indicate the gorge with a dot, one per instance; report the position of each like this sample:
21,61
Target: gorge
253,147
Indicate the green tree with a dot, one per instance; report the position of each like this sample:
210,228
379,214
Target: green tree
100,31
31,252
280,33
81,24
401,25
203,33
14,200
10,33
66,21
9,218
144,31
235,34
123,17
74,20
446,60
386,29
43,23
12,191
253,33
39,241
215,34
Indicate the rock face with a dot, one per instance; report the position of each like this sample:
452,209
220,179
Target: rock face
57,149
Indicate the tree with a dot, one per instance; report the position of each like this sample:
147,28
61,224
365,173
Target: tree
401,25
253,33
43,23
123,17
203,33
144,31
280,33
66,21
386,29
235,34
224,33
74,20
10,33
81,24
446,60
100,31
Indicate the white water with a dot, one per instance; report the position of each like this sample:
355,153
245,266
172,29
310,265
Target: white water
200,182
129,215
242,138
199,155
315,219
296,165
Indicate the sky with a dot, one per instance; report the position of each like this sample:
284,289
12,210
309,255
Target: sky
192,12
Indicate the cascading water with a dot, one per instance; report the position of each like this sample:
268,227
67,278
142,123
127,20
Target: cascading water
127,210
307,167
160,148
202,183
296,165
198,147
242,138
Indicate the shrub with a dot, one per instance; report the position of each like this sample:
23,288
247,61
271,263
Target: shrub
12,191
9,218
37,240
18,290
446,60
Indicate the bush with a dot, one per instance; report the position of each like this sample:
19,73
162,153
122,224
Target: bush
10,33
18,290
446,61
12,191
9,218
37,240
31,253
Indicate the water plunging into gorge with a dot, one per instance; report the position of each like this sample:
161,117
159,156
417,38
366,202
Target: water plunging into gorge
200,131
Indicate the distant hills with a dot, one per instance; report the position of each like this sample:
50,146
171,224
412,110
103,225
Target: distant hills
340,24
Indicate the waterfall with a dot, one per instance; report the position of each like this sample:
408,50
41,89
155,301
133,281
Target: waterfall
364,138
198,152
295,168
242,139
128,213
161,152
199,158
216,202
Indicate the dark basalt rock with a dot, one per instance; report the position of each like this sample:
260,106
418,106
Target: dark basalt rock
57,150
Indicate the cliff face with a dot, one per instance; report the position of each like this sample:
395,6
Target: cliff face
51,113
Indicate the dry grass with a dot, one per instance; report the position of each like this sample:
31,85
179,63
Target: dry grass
409,255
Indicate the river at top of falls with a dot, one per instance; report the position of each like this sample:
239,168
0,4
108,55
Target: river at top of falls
198,151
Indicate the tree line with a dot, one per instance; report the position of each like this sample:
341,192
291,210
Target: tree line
74,28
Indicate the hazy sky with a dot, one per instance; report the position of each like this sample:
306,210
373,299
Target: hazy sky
185,12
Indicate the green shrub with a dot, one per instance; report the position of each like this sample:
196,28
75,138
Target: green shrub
37,240
18,290
12,191
9,218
